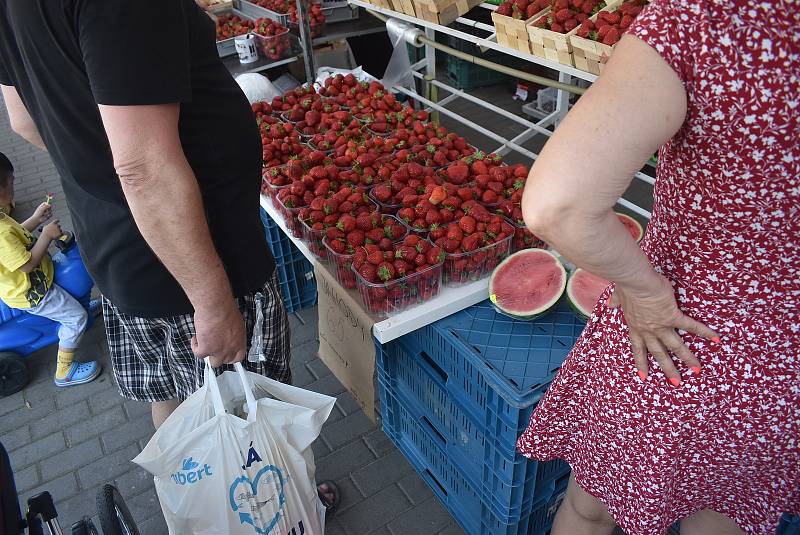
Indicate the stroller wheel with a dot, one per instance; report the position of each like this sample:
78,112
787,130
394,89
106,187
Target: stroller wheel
85,526
115,518
13,373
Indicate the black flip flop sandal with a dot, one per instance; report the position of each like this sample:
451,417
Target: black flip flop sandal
330,506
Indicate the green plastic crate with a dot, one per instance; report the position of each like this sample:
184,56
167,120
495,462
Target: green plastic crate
465,75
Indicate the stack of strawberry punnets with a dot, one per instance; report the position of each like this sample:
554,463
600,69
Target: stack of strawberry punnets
407,274
566,15
350,193
510,20
595,38
272,39
474,244
231,26
522,9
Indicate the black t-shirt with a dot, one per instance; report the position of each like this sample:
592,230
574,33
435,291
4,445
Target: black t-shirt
67,56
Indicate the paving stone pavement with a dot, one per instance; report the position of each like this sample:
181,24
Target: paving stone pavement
72,441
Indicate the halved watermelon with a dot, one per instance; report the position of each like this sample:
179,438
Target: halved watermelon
527,284
583,291
632,225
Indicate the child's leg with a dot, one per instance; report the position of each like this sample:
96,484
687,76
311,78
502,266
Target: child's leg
59,306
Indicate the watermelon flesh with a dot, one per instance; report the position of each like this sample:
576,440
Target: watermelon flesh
527,284
583,291
632,225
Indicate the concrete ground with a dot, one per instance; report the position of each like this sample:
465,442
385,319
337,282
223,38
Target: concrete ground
71,441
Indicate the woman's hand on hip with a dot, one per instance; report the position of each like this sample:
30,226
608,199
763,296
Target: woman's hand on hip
652,315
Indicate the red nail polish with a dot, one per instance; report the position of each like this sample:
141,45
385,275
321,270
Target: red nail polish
675,381
695,370
716,340
642,375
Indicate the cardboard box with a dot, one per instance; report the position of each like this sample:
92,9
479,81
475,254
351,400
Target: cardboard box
346,344
336,54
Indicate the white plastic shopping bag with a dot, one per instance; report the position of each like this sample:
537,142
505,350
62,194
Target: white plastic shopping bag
218,473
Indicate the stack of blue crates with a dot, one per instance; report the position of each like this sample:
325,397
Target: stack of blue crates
790,525
295,272
455,395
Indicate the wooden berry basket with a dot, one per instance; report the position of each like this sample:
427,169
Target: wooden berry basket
443,11
403,6
551,45
513,33
588,55
558,46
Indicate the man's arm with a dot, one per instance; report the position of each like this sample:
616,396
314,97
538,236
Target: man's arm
21,121
166,203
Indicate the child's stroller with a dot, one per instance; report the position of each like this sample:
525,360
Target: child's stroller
115,518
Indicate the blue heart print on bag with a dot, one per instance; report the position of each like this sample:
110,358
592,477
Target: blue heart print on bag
248,498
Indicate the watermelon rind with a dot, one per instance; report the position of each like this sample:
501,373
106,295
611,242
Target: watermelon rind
571,301
635,224
541,310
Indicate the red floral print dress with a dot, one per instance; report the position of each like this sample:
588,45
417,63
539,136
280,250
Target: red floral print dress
726,232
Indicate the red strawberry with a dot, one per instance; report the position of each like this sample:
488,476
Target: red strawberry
369,272
470,243
435,255
489,197
437,195
467,224
382,192
412,240
406,214
455,233
338,246
451,246
457,173
406,252
375,257
611,37
386,271
356,238
346,223
374,235
401,267
364,222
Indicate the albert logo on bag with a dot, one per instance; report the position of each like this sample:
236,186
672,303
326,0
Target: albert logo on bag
189,474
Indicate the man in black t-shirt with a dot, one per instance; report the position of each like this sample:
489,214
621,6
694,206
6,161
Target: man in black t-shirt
160,160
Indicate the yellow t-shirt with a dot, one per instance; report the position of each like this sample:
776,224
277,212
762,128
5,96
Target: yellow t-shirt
17,288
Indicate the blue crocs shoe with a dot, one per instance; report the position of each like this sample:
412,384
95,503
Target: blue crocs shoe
80,373
95,307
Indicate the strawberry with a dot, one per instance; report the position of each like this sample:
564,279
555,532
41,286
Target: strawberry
355,238
457,173
470,243
338,246
364,222
374,235
346,223
375,257
406,214
412,240
437,195
386,271
435,255
455,233
382,192
369,272
467,224
401,267
489,197
611,37
451,246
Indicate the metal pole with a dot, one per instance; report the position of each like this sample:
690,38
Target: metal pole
305,40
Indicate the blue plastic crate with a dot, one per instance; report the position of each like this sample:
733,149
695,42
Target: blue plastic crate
505,479
790,525
423,450
541,519
295,272
476,377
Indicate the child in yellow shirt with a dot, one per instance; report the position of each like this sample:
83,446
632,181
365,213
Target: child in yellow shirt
26,282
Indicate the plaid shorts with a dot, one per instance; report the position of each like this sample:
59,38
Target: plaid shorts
153,360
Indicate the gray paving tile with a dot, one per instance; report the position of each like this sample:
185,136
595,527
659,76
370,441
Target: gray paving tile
379,443
349,494
383,530
328,385
17,438
154,526
452,529
107,468
12,403
318,368
26,479
73,509
60,419
72,458
38,450
415,488
381,473
96,425
305,352
428,517
24,415
60,488
332,527
128,433
342,462
145,505
347,429
135,408
301,376
105,400
374,512
67,396
134,482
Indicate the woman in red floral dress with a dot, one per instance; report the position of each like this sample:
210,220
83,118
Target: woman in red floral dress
661,417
